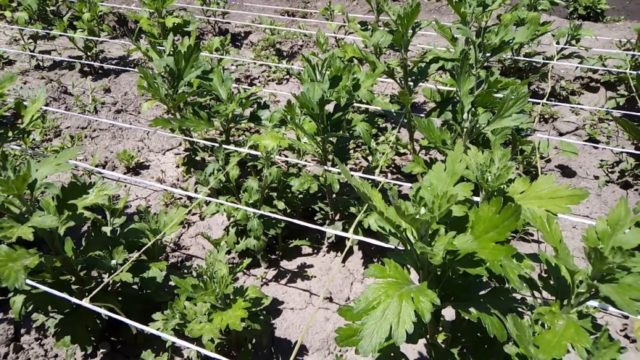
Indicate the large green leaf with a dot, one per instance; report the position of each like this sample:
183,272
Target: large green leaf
15,265
491,223
386,309
624,293
545,194
54,164
631,128
563,330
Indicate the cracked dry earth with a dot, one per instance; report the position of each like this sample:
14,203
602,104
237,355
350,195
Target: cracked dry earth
296,284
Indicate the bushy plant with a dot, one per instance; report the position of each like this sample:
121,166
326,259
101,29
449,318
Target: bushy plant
79,236
395,37
36,14
22,120
212,308
87,18
68,235
322,115
474,291
128,159
161,20
588,10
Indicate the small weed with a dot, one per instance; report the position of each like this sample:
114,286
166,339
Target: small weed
128,159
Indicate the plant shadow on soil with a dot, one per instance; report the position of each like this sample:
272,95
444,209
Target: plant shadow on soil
95,73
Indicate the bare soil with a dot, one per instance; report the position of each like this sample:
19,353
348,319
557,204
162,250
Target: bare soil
296,284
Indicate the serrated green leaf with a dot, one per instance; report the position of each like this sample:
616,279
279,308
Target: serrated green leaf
388,308
11,231
347,336
616,230
491,222
564,331
544,194
98,195
605,347
15,265
54,164
624,293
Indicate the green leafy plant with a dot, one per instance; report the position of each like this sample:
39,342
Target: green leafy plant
160,21
37,14
395,36
258,183
623,171
466,295
200,97
624,88
588,10
68,235
321,114
481,107
128,159
87,18
22,121
88,100
172,78
80,237
276,46
540,5
214,12
209,306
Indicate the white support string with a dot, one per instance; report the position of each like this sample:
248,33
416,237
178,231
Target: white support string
284,93
59,33
584,107
125,320
288,159
136,181
59,58
610,309
570,64
281,17
360,105
584,143
227,21
130,44
567,217
588,49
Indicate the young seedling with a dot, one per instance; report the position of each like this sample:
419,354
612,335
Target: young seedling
128,159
